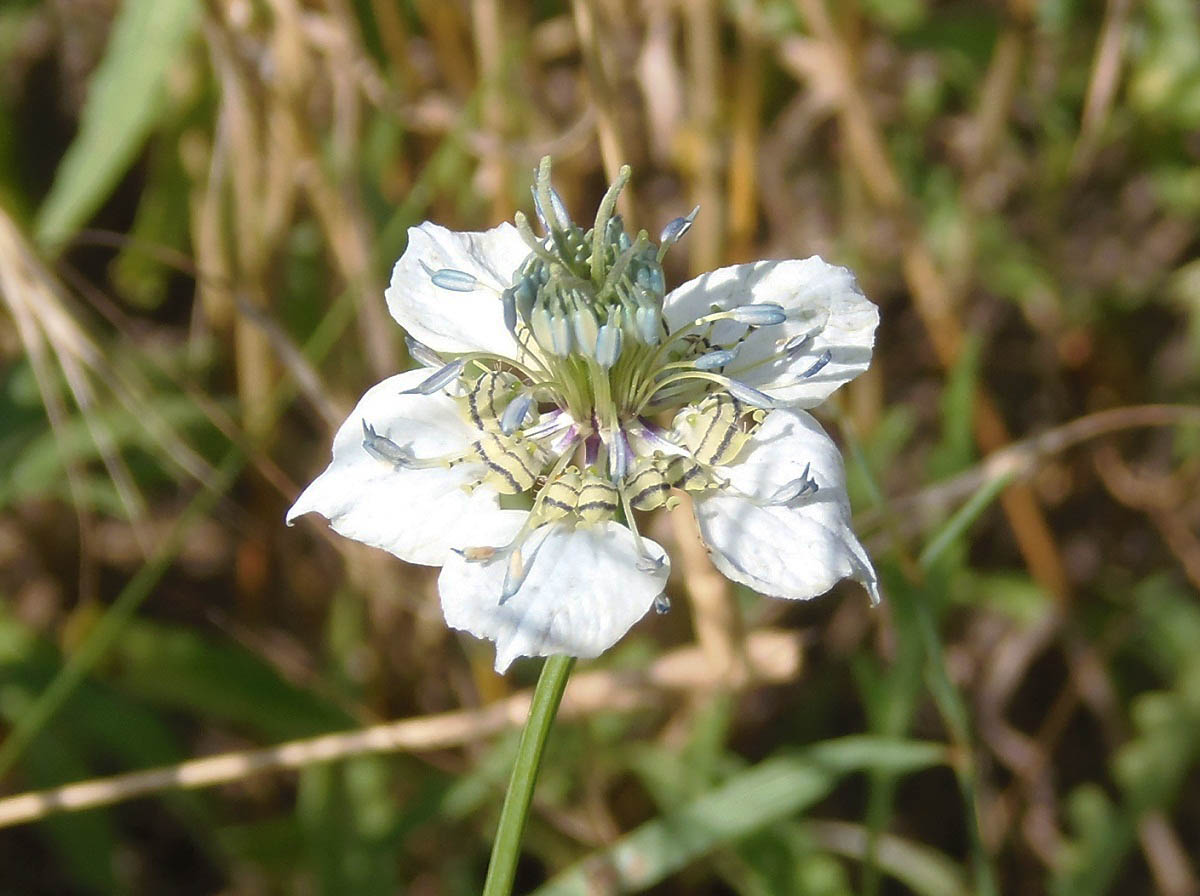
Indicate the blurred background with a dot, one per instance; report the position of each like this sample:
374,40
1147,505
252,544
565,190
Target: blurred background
200,203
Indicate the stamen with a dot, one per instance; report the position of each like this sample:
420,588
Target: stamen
514,576
716,359
569,438
423,354
818,365
449,278
620,456
608,341
797,342
750,395
509,300
586,330
794,489
384,449
525,294
649,324
662,605
650,277
674,232
515,413
539,322
560,336
763,314
444,377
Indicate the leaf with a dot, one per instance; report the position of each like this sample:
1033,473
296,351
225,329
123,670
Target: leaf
772,790
122,107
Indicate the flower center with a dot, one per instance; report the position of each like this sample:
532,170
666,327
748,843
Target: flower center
571,418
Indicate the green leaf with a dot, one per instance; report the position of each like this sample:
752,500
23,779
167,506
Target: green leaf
770,791
122,107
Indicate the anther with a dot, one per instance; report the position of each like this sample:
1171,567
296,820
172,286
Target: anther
648,324
539,322
514,576
384,449
515,413
476,555
818,365
587,330
560,336
763,314
790,491
423,354
674,231
646,563
749,395
662,605
509,300
716,359
448,278
444,377
608,341
797,342
620,455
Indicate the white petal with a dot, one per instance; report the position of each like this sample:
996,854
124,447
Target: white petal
418,515
796,551
821,300
583,591
450,321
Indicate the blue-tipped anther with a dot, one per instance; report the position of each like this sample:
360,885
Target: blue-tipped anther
423,354
524,294
790,491
649,326
620,457
715,359
764,314
508,299
539,322
662,605
608,342
560,336
749,395
797,346
440,380
515,413
384,449
650,278
448,278
587,330
676,229
818,365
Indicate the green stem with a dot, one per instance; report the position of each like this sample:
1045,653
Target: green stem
507,847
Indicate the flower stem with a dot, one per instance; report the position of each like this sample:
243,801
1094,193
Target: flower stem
507,847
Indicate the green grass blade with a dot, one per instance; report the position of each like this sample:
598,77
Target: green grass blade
123,105
772,790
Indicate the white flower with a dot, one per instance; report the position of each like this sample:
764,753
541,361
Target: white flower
558,367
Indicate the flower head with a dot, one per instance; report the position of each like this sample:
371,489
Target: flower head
557,367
